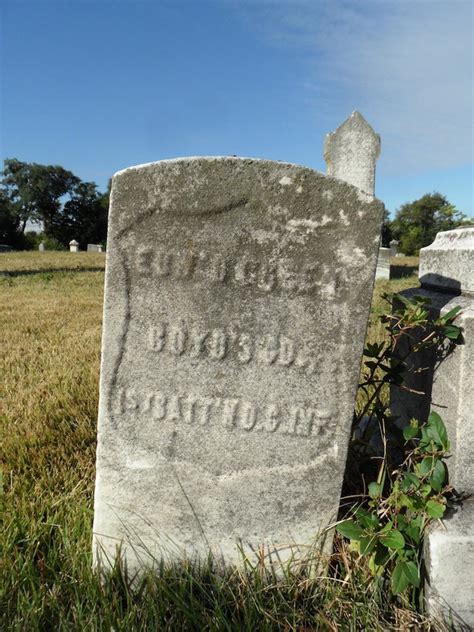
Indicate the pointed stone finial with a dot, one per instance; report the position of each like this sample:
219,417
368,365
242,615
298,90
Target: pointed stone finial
351,152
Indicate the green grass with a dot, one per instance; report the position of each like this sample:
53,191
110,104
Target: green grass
50,326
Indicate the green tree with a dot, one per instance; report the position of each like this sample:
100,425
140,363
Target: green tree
416,223
35,191
83,217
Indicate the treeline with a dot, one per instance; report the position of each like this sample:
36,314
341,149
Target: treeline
416,223
66,207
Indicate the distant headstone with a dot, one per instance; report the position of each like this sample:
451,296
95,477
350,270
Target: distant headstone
41,247
94,248
74,246
383,264
236,303
393,247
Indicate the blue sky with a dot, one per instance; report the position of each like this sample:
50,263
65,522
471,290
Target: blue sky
99,85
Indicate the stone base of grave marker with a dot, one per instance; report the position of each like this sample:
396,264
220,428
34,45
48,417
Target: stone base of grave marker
447,278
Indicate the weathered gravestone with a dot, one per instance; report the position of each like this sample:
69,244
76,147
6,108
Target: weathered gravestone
447,280
236,303
383,264
94,247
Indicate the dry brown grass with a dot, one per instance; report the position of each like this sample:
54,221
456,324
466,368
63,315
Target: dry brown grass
48,260
50,328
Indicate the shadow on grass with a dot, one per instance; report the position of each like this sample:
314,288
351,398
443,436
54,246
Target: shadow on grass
15,273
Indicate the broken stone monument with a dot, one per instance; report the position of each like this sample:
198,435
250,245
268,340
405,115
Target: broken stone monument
236,304
447,279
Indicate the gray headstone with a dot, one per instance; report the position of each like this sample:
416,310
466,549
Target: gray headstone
447,278
393,248
236,304
41,247
94,248
383,264
448,263
351,152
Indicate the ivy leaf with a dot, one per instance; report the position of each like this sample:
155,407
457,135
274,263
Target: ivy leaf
399,579
366,519
350,530
367,544
427,465
452,332
451,315
404,574
413,529
410,479
435,509
437,430
375,490
413,573
410,432
393,540
438,476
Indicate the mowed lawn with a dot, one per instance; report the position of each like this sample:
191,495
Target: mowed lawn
50,330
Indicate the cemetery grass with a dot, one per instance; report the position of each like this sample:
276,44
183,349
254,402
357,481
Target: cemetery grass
50,338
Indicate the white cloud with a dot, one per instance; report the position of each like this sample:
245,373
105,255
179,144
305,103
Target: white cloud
405,64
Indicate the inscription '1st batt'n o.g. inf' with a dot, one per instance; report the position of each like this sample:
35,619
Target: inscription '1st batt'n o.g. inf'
237,293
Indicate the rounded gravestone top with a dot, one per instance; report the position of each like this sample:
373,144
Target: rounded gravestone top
448,263
73,242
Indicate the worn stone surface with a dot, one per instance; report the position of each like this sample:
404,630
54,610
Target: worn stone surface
447,277
448,263
449,561
383,264
236,303
351,152
393,248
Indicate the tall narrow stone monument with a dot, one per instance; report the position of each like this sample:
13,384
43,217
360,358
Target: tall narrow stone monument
236,304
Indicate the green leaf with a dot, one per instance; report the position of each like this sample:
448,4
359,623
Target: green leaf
427,465
375,490
452,332
410,432
366,519
409,480
399,579
381,556
435,509
404,574
413,529
393,540
350,530
451,314
412,572
437,430
367,544
438,476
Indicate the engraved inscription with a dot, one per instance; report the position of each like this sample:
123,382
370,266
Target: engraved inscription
230,413
244,271
218,344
